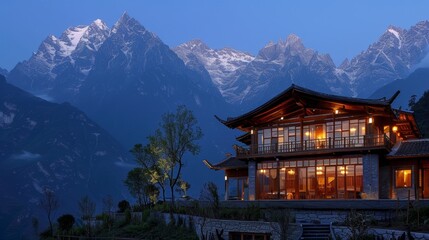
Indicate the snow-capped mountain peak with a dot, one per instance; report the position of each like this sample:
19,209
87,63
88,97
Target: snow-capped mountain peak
195,45
70,39
128,25
100,24
293,39
223,65
391,57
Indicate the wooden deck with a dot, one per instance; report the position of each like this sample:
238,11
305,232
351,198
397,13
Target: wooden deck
318,146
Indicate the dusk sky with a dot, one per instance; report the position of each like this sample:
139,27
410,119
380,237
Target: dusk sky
339,27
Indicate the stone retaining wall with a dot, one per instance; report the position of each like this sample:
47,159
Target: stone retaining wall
211,227
334,216
344,233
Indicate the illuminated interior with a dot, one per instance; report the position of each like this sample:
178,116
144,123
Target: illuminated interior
403,178
335,178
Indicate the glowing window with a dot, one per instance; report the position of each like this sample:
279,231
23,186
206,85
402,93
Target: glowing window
403,178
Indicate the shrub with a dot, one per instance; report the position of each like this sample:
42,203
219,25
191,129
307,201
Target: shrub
123,205
66,222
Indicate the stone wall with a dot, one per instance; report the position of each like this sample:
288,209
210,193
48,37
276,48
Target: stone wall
211,227
335,216
385,182
252,180
344,233
370,166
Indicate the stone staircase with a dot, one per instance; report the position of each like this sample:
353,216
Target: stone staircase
315,231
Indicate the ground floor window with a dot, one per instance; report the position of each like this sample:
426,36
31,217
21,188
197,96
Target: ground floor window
248,236
403,178
237,188
332,178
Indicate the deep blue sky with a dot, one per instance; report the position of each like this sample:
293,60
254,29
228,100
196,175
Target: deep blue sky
341,28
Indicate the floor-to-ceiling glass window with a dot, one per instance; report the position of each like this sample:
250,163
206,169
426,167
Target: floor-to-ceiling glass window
332,134
237,187
331,178
268,181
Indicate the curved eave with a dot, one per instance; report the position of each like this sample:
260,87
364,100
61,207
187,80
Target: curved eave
245,138
407,124
303,93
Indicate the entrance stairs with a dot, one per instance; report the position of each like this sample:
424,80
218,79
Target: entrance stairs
315,232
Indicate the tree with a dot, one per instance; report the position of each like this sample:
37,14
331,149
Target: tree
136,182
49,204
176,137
421,113
153,193
156,168
279,220
108,204
87,210
358,224
35,224
66,222
182,187
412,102
210,194
123,206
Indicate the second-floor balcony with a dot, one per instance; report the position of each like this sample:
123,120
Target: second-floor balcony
323,145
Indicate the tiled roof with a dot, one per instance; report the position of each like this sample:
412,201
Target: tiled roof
295,91
410,148
229,163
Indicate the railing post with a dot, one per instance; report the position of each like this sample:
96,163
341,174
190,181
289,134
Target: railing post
305,145
329,142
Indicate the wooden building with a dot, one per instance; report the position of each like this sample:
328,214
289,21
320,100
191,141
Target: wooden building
304,144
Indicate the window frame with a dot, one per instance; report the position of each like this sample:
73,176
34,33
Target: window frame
395,174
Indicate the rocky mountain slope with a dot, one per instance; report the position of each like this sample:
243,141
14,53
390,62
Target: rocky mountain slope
396,53
3,72
393,56
414,84
55,146
132,79
224,65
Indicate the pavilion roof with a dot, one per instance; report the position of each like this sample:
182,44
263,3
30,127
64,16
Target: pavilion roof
410,149
229,163
298,101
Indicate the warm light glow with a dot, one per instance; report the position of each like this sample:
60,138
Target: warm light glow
319,172
352,129
283,169
291,172
403,178
226,178
251,131
370,120
394,129
307,133
281,118
336,111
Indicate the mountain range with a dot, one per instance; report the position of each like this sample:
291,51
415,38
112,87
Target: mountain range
55,146
3,72
243,78
129,79
124,78
414,84
63,66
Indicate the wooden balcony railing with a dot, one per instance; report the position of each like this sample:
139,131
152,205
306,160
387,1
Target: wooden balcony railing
316,144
